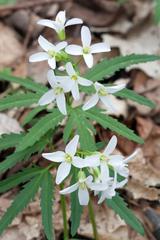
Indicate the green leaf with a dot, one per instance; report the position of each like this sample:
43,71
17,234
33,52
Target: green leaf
18,178
107,68
76,208
6,2
120,207
47,205
9,140
68,128
83,128
111,123
17,157
32,114
25,82
18,100
50,121
20,202
129,94
157,11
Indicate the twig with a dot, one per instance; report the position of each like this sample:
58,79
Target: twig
28,5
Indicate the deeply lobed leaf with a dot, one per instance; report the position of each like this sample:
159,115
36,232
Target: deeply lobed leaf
24,82
106,121
18,100
78,121
120,207
18,178
108,67
9,140
23,155
20,202
47,205
50,121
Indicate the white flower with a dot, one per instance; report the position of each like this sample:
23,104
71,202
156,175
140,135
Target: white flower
87,49
57,93
103,159
67,159
82,185
121,165
60,23
73,79
102,93
50,53
108,188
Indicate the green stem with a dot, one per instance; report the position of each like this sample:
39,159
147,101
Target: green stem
64,214
92,219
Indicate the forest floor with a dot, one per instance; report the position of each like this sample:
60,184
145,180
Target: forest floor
128,28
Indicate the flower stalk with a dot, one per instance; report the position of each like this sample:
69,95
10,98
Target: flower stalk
64,214
92,219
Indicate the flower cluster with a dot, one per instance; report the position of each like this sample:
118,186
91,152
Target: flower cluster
98,171
60,53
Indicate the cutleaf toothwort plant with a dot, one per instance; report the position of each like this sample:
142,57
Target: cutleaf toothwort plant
93,169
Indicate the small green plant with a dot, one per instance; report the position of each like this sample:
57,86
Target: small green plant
89,166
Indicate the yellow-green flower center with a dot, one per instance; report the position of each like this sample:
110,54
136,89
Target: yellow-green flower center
82,185
52,53
68,158
102,92
86,50
58,90
74,77
103,158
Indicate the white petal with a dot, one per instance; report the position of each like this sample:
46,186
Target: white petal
99,186
123,171
61,103
92,161
122,183
38,57
66,83
84,81
132,156
116,160
83,196
79,162
51,78
91,102
111,146
62,172
75,91
100,47
47,23
89,180
85,36
70,70
73,21
61,17
71,147
60,46
47,98
55,156
98,86
70,189
45,44
114,89
52,63
88,58
102,198
74,50
107,102
104,172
